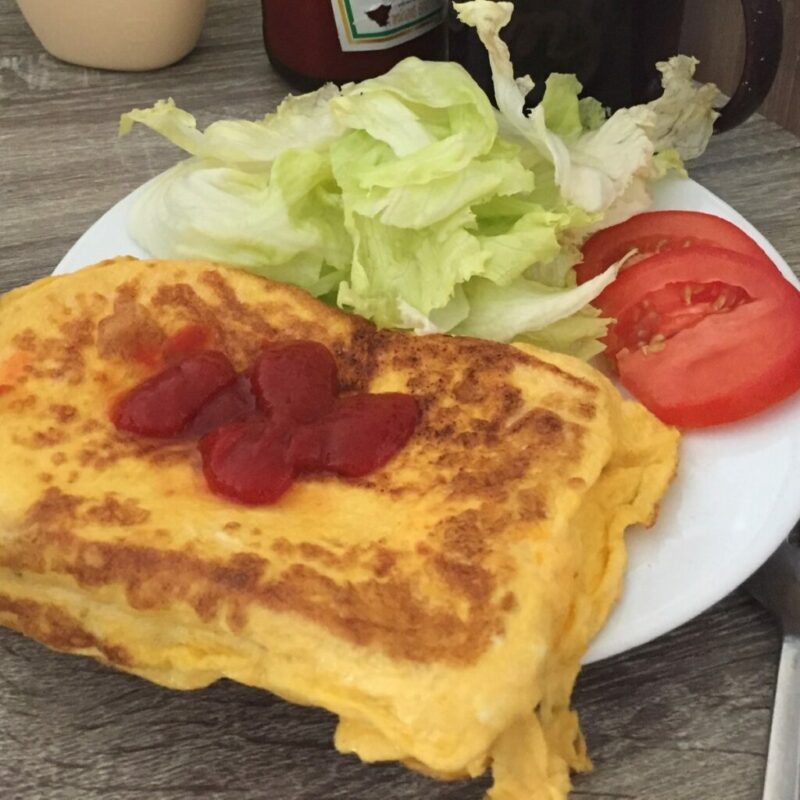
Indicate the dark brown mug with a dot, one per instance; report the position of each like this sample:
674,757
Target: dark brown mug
613,45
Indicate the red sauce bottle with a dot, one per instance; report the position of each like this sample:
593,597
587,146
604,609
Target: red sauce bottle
311,42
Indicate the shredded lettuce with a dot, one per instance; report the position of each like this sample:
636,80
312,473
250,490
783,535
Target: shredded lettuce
409,199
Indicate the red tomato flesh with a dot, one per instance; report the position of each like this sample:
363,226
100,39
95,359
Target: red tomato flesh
165,404
669,310
698,264
704,336
661,231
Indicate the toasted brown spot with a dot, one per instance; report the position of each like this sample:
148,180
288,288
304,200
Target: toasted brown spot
24,403
93,557
474,431
283,546
488,475
26,340
128,292
469,389
547,424
63,412
48,437
233,308
182,296
120,512
359,612
242,573
130,332
315,552
384,561
54,507
59,358
567,377
91,425
463,536
532,506
509,602
374,558
471,580
102,452
356,356
246,327
237,617
57,629
67,354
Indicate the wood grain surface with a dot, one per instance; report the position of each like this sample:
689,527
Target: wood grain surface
683,718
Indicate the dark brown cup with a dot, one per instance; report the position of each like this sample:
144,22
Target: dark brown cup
613,45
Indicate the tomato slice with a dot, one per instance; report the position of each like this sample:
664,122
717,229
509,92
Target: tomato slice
705,336
661,231
700,264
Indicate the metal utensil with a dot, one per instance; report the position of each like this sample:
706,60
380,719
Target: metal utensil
777,586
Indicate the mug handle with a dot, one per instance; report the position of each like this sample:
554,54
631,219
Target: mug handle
763,25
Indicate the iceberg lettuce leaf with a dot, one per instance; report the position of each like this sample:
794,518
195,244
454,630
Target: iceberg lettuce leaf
409,199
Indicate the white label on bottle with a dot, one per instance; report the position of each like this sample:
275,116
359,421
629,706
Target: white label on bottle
380,24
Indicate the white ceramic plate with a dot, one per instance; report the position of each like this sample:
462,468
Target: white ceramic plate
736,496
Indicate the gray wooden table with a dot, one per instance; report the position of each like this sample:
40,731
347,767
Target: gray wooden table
683,718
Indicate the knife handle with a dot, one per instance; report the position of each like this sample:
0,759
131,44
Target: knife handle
782,779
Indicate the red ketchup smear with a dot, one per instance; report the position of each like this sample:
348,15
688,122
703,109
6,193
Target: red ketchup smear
248,461
187,340
359,435
295,381
231,404
262,428
166,403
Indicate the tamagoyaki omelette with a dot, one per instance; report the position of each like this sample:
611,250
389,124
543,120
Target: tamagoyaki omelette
439,606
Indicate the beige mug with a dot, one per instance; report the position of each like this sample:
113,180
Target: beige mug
116,34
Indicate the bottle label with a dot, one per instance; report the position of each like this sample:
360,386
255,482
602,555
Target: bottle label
380,24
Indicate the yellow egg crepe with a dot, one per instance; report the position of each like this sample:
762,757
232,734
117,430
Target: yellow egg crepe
439,606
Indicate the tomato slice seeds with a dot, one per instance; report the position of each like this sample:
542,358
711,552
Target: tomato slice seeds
665,312
703,335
